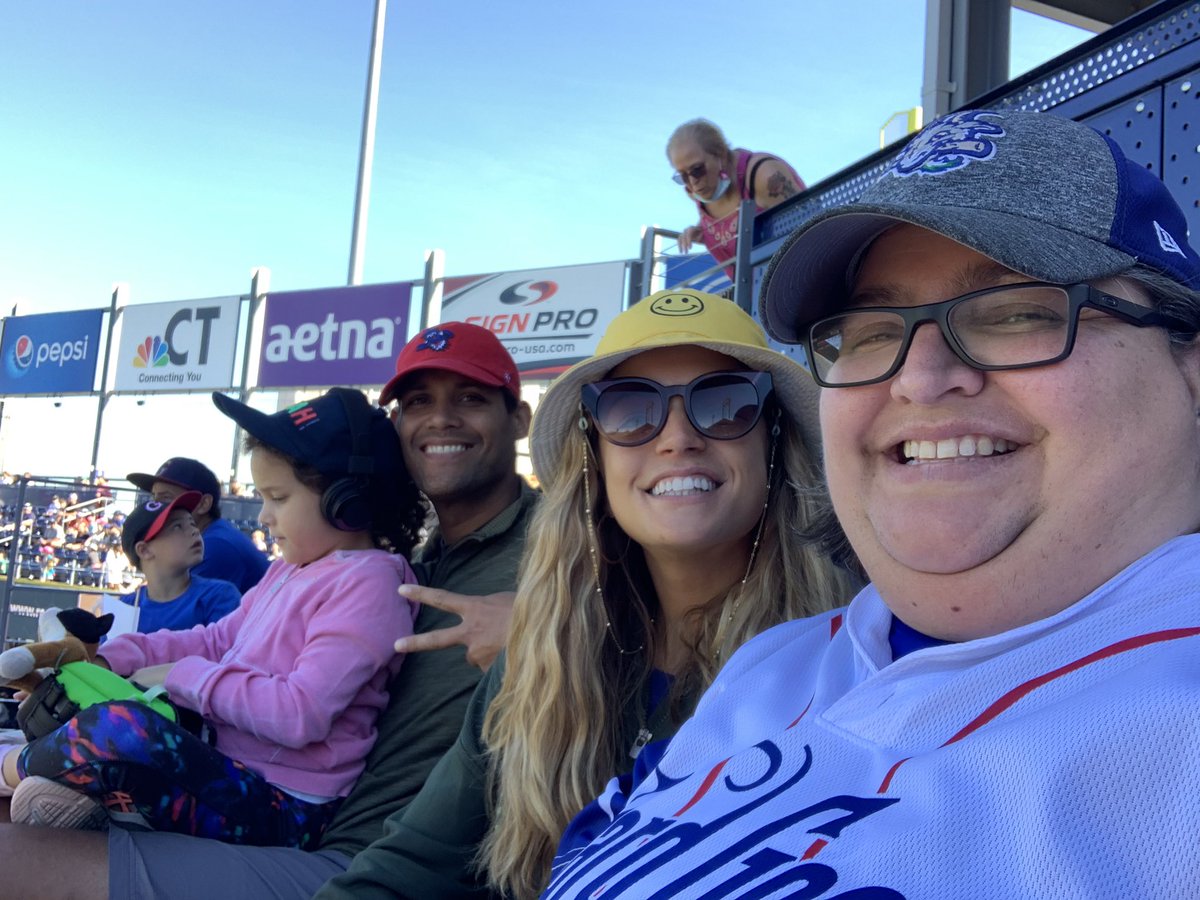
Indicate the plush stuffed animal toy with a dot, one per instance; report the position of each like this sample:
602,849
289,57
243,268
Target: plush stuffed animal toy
59,677
64,636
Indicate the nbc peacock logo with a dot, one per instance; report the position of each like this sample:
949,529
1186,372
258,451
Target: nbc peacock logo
151,354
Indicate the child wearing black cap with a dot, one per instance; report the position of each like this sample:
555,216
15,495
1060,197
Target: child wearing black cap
164,543
290,683
228,553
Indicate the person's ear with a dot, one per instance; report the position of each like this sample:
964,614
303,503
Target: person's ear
203,506
1189,365
522,416
143,550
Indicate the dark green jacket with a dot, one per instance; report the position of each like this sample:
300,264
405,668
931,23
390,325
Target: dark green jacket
427,850
429,695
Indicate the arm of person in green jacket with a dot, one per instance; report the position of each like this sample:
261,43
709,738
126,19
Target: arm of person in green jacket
428,849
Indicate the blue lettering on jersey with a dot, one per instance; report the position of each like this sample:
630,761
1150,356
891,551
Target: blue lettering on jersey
633,846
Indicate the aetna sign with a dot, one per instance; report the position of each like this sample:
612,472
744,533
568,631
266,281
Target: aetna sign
332,339
333,336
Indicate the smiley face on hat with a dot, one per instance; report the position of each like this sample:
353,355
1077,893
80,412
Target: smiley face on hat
677,305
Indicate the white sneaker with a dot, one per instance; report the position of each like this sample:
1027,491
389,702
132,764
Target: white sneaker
40,801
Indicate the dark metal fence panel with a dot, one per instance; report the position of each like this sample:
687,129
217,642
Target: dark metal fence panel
36,575
1181,143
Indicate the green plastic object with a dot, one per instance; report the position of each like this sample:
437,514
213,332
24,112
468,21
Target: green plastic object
87,684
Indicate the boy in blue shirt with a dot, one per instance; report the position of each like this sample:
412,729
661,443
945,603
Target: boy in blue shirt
163,541
228,553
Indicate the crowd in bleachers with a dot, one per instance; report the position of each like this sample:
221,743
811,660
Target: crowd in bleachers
74,537
65,539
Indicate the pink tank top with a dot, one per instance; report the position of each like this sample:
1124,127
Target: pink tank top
720,235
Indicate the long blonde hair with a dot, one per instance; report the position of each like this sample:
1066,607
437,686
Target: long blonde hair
554,729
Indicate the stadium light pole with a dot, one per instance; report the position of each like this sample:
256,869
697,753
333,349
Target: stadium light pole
366,153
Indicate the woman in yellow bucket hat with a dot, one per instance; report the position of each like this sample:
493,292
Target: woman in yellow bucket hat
679,465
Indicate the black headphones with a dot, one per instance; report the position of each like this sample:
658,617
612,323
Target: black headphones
346,504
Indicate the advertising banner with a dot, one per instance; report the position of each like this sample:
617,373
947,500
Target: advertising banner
188,345
546,318
26,604
335,336
53,353
681,268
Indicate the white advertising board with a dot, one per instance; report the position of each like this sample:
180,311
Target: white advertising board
546,318
184,345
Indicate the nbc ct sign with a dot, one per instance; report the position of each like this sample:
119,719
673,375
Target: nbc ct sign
187,345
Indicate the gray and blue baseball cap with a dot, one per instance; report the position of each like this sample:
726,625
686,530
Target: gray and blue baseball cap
1045,196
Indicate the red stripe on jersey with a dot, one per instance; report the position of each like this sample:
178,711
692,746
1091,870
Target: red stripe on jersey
817,846
1026,688
1022,690
703,789
796,721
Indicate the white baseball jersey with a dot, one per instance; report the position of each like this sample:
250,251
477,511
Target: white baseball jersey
1059,760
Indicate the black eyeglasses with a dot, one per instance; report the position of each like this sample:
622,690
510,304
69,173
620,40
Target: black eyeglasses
1014,326
695,173
720,405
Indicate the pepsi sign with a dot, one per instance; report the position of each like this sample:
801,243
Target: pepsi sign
52,353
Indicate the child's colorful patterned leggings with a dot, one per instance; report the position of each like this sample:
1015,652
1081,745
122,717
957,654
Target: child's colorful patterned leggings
136,761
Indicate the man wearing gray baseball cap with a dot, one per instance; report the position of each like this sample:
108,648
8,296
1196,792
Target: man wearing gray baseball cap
1004,328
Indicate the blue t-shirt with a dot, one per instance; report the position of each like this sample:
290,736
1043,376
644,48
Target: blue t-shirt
904,639
230,556
205,601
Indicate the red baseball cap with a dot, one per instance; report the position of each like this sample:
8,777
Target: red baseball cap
461,348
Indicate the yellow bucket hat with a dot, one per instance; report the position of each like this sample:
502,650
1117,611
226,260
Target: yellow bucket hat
667,319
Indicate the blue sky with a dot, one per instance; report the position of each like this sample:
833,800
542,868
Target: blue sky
176,146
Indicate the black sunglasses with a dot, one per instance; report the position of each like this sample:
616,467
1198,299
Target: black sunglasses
695,173
720,405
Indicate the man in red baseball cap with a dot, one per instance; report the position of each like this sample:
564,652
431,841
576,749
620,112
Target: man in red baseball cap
459,415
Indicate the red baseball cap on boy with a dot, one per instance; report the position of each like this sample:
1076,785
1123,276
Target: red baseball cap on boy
461,348
147,520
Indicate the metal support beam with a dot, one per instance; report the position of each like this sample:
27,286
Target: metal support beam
260,285
966,52
119,299
431,294
743,271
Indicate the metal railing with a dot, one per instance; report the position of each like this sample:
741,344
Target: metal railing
656,260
